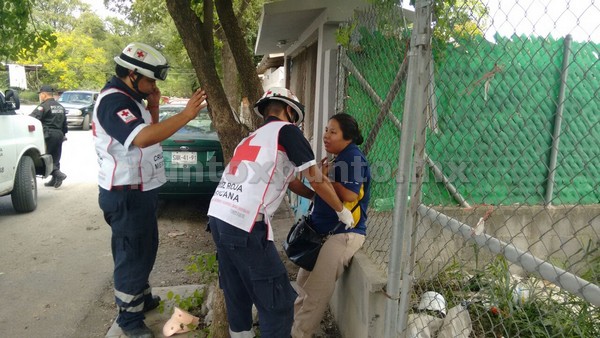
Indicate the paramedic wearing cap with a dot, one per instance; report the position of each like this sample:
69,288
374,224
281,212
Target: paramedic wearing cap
127,137
253,185
54,121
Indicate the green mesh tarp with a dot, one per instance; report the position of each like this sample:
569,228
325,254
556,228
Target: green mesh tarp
496,106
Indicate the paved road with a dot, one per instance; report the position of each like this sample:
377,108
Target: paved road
55,261
56,264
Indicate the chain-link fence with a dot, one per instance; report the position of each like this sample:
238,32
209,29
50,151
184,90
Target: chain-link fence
489,205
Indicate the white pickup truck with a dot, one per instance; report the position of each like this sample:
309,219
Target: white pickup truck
22,154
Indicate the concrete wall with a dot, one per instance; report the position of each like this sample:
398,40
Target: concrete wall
556,234
358,303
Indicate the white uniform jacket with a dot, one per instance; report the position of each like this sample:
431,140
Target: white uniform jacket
255,181
126,164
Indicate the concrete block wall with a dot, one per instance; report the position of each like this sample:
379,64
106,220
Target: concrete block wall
358,303
553,233
557,234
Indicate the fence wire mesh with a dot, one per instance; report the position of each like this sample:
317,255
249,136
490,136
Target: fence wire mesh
507,226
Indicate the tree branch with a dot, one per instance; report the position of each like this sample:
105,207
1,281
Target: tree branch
199,46
209,22
251,86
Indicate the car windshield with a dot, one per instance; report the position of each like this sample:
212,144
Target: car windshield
201,124
76,98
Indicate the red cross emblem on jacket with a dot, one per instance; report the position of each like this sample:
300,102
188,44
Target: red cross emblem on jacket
244,152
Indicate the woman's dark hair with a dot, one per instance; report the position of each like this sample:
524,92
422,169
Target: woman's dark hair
349,128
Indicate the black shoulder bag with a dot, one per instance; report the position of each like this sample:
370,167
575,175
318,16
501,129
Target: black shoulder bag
303,243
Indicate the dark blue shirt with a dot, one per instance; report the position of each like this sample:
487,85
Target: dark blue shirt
295,144
351,169
112,104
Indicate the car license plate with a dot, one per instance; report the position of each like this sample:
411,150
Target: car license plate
184,157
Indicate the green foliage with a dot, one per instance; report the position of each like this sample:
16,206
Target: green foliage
205,265
342,35
456,19
20,38
32,29
248,13
58,15
384,17
189,303
75,63
150,23
452,20
79,52
497,309
591,258
496,104
29,97
91,25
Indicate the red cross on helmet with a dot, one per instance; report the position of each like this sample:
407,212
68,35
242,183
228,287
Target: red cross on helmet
281,94
145,60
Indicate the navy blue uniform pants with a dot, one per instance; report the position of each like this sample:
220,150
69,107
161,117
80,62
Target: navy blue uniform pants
251,272
54,141
132,218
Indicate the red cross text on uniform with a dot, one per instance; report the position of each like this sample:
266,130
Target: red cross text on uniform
245,152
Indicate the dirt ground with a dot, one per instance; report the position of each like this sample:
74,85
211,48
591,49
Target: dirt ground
182,234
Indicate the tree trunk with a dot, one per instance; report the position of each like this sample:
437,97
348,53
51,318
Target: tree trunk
251,85
230,73
219,326
197,37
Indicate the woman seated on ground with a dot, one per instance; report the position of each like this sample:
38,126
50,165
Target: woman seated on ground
351,178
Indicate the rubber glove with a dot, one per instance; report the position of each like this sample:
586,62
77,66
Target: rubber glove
346,217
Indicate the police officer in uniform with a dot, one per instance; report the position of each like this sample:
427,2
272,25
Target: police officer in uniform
54,121
127,136
252,186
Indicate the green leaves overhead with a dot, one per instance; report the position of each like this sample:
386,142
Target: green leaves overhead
20,37
75,62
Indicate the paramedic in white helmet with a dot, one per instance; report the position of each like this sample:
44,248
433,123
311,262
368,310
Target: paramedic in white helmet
127,136
252,186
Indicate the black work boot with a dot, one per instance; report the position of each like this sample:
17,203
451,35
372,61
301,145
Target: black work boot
151,304
59,177
141,331
51,182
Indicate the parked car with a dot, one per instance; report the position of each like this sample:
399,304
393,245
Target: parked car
193,156
79,105
22,154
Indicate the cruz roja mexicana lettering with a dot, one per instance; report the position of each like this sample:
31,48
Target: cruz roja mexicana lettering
230,186
230,192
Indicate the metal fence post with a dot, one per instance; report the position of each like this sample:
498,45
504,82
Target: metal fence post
558,120
414,104
516,136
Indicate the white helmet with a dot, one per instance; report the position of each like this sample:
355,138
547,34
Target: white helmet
144,59
280,94
433,301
